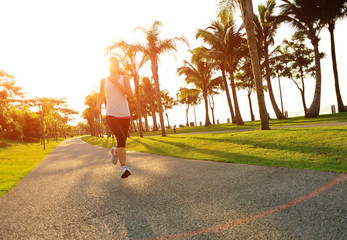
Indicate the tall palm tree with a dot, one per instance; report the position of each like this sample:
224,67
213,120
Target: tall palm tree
304,16
229,50
247,16
150,97
266,26
245,80
153,48
145,104
215,36
278,63
334,10
211,103
132,62
236,50
199,73
168,103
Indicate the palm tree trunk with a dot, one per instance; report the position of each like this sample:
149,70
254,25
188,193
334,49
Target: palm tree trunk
279,86
196,124
277,111
154,62
302,91
314,109
238,116
211,103
212,111
247,15
43,128
134,126
136,80
167,118
154,118
303,101
146,121
187,109
226,86
250,105
340,105
207,118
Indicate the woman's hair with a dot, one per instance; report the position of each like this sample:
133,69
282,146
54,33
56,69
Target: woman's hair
113,59
116,59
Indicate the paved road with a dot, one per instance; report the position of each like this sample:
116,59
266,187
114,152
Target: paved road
76,193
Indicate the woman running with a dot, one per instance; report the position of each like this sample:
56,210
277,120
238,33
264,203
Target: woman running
116,88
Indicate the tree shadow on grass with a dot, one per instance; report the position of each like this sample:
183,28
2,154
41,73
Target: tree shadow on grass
4,145
329,159
301,146
214,155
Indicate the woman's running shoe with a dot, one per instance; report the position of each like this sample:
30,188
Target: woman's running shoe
114,157
124,173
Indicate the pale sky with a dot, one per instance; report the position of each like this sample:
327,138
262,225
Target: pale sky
56,49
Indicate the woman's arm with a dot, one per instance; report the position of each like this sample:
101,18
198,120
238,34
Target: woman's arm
101,97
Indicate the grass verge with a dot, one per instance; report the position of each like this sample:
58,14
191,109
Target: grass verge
323,148
18,158
338,117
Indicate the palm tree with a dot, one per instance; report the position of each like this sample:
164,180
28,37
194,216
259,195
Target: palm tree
304,16
236,50
153,48
212,105
168,103
245,80
88,112
150,97
199,73
145,104
230,50
266,26
334,10
132,64
133,113
216,84
215,36
247,16
277,64
189,97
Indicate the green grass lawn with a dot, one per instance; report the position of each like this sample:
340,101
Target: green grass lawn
323,148
18,158
338,117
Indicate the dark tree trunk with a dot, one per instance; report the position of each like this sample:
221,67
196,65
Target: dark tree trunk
247,16
146,122
154,62
139,117
277,111
226,86
340,105
250,106
207,118
314,109
238,117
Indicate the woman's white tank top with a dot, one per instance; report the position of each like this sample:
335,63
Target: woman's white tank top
116,100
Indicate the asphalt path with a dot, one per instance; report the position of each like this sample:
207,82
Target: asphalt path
76,193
